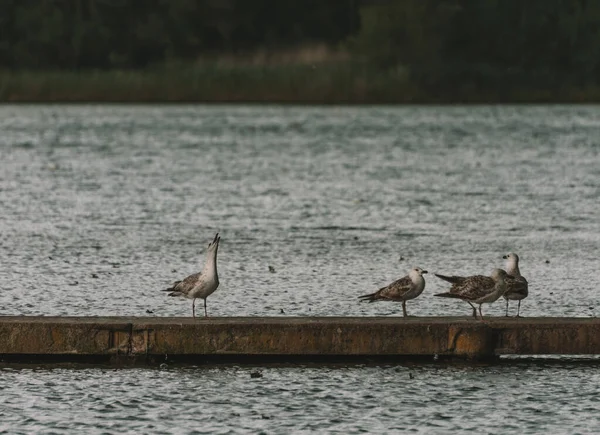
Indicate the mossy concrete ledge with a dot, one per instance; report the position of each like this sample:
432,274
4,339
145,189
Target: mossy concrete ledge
156,339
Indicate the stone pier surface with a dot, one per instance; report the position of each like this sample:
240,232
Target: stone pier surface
290,339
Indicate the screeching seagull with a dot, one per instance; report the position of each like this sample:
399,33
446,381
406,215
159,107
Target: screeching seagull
202,284
402,290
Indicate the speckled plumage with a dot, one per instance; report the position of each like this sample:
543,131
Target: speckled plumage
517,288
476,289
196,285
401,290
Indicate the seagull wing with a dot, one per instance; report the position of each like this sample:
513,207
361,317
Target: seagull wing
474,287
516,284
396,291
182,288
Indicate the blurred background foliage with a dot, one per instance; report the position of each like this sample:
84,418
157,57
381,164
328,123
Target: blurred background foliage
447,46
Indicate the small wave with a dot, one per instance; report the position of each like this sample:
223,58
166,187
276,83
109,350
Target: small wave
24,145
344,228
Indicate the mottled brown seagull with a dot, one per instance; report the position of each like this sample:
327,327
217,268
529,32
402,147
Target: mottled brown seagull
476,289
401,290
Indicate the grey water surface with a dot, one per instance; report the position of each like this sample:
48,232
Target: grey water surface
519,398
102,206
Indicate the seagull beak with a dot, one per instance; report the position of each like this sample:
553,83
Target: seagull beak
505,256
217,238
424,271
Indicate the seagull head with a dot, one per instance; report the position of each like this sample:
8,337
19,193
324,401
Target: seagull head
416,272
212,246
512,262
498,274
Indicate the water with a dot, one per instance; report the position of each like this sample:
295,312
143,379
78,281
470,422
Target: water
520,398
103,206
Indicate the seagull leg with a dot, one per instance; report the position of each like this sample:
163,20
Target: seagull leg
404,308
474,309
205,314
507,308
519,308
194,308
480,312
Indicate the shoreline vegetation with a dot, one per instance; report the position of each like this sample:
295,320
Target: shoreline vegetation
299,52
345,81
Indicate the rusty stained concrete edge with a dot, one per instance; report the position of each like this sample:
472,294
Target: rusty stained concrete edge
318,336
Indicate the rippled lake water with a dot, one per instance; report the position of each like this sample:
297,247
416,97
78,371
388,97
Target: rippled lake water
520,397
103,206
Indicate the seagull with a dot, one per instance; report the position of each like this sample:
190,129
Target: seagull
477,289
401,290
517,287
202,284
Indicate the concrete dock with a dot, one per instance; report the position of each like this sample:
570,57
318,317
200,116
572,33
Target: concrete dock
289,339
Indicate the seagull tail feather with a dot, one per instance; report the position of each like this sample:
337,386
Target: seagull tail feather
371,297
448,295
452,279
172,288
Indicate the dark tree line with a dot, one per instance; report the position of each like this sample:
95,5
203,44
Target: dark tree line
495,42
546,42
44,34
